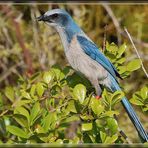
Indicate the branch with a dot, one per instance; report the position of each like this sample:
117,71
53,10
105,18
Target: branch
118,26
104,40
6,10
115,21
10,70
130,38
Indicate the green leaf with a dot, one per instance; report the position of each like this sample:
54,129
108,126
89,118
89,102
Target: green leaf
34,112
117,97
58,73
33,90
112,125
35,76
21,110
122,69
96,106
86,126
70,119
9,92
25,94
121,60
121,50
133,65
111,140
20,119
109,113
49,121
71,106
136,101
47,77
17,131
145,109
144,92
112,48
103,136
79,92
59,141
1,100
40,89
22,102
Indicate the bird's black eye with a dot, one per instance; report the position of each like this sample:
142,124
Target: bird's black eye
54,16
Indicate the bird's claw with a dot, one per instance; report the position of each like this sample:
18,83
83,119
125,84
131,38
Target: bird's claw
98,97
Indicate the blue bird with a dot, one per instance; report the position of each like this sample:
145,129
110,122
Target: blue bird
84,56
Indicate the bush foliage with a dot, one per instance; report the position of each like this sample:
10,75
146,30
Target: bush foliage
59,106
42,103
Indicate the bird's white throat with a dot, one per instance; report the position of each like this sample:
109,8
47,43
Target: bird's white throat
63,37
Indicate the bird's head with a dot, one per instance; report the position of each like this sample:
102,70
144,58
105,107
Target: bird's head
62,21
56,17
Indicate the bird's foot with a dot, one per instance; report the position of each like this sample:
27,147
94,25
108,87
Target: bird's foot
98,97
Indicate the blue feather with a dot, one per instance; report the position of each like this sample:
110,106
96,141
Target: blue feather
132,114
93,51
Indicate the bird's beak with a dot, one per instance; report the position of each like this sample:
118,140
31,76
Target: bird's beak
43,18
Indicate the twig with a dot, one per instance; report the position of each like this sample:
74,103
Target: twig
104,39
118,27
4,112
26,53
122,133
115,21
10,70
144,57
130,38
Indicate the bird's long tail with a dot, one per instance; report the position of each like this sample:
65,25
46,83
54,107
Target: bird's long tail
132,115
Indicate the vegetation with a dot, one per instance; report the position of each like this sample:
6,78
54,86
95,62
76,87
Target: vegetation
43,100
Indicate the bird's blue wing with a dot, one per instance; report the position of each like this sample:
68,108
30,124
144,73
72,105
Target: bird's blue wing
92,51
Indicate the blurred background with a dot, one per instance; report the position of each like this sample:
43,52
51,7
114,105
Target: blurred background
27,46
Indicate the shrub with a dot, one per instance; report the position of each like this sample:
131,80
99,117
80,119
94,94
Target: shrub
59,106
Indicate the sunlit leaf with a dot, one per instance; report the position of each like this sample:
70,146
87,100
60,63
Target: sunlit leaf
86,126
121,50
134,65
71,106
144,92
9,92
49,121
136,101
96,106
111,140
47,77
103,136
21,110
17,131
40,89
112,125
25,94
79,92
34,112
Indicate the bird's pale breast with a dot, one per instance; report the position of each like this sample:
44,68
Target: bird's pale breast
83,63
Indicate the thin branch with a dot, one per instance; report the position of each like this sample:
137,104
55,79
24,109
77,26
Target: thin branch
115,21
130,38
4,112
121,133
10,70
15,20
118,26
104,39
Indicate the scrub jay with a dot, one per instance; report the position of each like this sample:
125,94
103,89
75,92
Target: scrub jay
85,57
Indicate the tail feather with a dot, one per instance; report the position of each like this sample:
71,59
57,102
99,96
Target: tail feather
132,115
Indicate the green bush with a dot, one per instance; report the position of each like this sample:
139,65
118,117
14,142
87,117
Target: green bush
59,106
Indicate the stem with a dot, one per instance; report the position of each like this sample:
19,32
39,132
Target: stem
138,55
